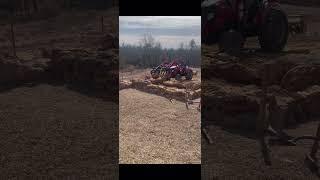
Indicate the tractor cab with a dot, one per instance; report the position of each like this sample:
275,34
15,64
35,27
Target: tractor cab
230,22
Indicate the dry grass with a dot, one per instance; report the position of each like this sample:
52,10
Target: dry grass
155,131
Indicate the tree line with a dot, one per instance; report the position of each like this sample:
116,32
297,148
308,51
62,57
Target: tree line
149,53
27,8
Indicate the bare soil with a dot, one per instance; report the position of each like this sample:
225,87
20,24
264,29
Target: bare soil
155,131
52,131
236,155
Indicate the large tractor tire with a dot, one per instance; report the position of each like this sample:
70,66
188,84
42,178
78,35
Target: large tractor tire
274,31
164,74
204,38
178,77
207,38
204,33
189,75
155,74
231,42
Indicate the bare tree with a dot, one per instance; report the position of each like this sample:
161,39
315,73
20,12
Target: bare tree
181,46
192,44
148,41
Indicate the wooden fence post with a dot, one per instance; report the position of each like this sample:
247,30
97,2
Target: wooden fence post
102,24
262,120
13,38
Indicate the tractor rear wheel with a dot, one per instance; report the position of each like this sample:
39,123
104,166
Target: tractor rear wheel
274,31
178,77
206,38
189,75
164,74
231,42
155,74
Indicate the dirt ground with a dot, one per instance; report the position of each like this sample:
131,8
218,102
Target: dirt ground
52,131
155,131
77,29
235,152
236,155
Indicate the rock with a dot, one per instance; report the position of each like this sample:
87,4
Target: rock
301,77
311,100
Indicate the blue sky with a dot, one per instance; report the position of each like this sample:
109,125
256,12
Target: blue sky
170,31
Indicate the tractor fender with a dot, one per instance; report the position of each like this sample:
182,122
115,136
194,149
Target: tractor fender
271,5
268,6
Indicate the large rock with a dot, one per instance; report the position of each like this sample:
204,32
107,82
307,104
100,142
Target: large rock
311,100
301,77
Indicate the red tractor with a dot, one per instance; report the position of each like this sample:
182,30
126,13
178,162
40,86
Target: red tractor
230,22
175,69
